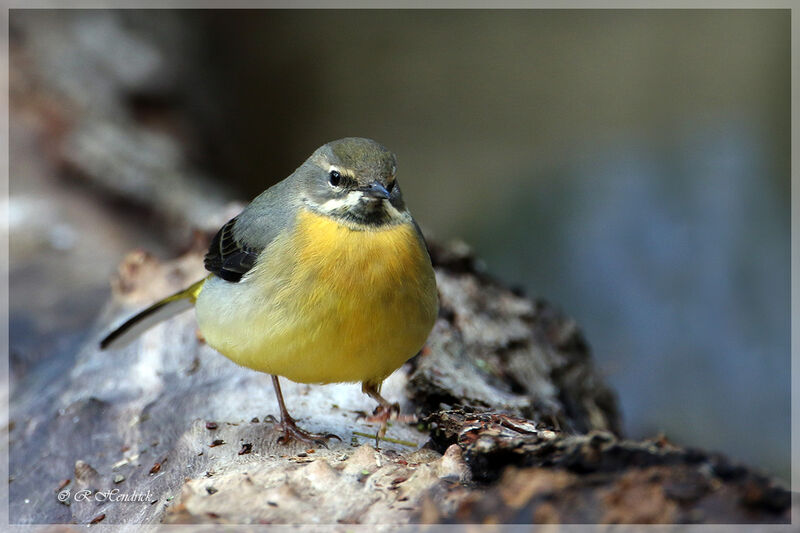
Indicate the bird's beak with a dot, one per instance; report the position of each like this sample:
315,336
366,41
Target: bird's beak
376,190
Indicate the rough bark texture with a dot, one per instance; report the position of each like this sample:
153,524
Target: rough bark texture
155,410
538,476
170,418
514,423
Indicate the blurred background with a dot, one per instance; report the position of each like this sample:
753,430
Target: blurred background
632,167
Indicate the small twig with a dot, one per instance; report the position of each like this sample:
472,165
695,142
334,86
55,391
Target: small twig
387,439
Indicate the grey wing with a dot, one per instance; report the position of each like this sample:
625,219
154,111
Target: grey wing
227,257
237,245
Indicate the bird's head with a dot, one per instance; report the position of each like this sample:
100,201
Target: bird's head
354,180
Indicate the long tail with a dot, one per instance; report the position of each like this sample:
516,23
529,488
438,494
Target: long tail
144,320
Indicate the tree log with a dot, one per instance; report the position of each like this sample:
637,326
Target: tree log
170,418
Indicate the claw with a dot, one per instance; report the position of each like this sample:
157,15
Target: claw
289,427
292,432
383,413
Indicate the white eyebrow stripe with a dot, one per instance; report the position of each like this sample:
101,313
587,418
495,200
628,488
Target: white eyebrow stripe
343,171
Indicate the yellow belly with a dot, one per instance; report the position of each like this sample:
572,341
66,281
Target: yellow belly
326,304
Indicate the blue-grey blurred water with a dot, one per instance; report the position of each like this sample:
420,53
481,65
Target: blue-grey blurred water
675,260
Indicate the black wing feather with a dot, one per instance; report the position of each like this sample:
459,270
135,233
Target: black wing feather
228,258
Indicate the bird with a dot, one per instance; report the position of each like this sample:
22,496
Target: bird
325,277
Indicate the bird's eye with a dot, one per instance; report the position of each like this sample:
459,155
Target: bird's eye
390,187
334,178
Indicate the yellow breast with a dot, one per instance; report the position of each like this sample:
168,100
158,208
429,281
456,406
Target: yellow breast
329,304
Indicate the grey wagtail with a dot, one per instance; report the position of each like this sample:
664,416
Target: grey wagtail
323,278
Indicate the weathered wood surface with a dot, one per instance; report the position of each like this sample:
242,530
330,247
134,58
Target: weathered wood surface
120,413
146,419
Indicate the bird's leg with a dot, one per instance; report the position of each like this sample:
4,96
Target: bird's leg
373,391
289,427
385,409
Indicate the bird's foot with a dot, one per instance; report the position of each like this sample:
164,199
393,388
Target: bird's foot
389,411
293,433
385,412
